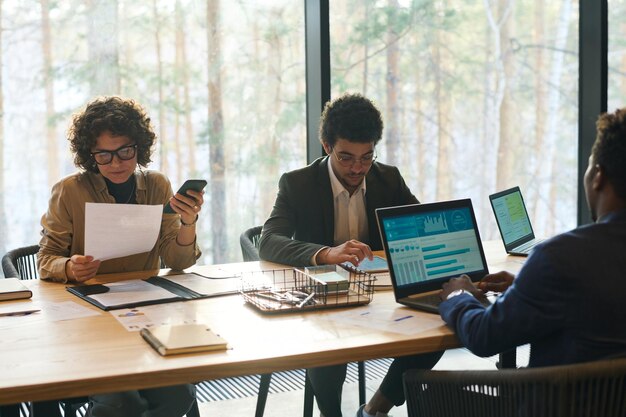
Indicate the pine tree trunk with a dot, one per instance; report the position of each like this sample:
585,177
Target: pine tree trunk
103,48
163,138
48,81
392,122
186,105
216,135
3,222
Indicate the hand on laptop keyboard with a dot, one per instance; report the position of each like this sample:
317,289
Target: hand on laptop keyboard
462,282
486,291
498,282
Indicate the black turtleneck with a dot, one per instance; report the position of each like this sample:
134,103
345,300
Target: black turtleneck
123,193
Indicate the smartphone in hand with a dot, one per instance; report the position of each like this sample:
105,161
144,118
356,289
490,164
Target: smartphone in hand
196,185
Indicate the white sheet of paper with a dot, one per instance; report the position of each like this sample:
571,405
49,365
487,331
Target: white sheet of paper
67,310
207,286
134,319
131,291
117,230
397,320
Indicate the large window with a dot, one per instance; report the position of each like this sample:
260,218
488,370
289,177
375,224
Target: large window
223,82
617,55
476,97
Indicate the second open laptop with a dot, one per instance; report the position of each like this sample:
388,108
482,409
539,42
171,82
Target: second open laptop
513,222
426,245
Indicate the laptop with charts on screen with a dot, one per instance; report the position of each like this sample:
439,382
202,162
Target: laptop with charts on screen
426,245
513,222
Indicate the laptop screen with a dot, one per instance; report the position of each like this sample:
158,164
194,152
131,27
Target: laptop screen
512,217
427,244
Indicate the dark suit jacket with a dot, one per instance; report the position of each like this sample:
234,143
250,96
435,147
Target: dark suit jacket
567,301
303,221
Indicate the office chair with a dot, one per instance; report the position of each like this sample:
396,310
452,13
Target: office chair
22,263
578,390
249,242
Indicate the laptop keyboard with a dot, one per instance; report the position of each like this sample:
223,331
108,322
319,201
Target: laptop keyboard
527,247
434,300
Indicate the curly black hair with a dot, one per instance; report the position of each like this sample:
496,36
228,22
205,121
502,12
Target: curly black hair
121,117
352,117
609,148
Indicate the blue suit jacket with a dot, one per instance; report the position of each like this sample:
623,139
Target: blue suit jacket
303,221
568,301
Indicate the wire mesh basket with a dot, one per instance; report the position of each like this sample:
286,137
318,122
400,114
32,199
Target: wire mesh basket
312,288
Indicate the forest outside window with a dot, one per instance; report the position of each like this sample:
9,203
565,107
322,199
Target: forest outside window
476,97
617,55
224,84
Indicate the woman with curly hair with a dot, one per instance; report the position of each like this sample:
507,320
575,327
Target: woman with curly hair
110,138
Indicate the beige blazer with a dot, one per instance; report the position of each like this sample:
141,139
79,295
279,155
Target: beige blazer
63,226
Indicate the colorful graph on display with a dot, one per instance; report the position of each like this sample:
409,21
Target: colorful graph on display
431,246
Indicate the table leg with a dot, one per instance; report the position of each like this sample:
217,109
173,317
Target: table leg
361,372
507,359
308,396
264,387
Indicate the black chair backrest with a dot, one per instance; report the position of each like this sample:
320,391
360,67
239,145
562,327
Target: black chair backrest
588,389
249,241
21,263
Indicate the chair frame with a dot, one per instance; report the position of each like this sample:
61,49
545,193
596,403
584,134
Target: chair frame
586,389
21,263
249,242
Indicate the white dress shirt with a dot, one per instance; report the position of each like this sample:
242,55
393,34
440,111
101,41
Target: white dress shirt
350,214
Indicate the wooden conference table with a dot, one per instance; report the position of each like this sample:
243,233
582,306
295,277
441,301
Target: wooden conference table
43,359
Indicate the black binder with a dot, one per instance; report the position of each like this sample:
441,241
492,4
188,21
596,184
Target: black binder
179,293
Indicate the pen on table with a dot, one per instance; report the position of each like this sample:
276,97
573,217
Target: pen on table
18,313
402,318
306,300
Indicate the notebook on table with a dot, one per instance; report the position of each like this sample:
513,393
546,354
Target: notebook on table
13,289
426,245
182,338
513,222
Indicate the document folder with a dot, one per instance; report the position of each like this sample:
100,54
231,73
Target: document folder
154,290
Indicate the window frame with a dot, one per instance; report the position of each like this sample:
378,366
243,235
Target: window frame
592,84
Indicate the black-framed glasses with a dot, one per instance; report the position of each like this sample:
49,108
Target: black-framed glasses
124,153
346,160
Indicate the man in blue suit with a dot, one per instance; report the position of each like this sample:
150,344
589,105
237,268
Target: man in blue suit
325,214
568,299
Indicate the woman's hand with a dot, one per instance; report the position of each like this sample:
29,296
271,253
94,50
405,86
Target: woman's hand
80,268
187,205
